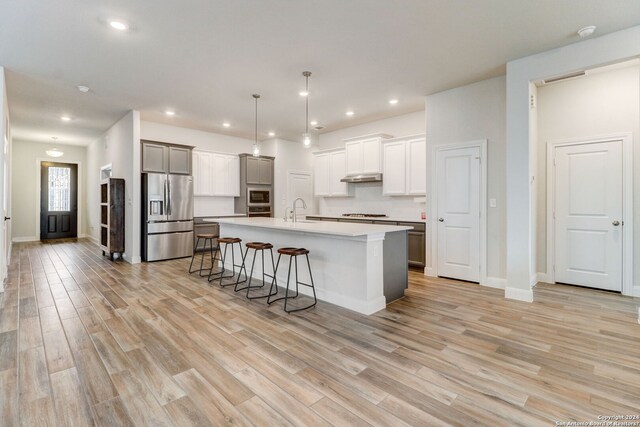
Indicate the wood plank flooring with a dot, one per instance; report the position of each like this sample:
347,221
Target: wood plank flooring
86,341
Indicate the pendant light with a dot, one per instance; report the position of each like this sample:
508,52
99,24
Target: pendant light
256,148
306,139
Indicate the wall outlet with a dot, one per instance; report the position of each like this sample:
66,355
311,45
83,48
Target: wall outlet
493,203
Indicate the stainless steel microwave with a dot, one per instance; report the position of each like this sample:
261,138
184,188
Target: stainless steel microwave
258,197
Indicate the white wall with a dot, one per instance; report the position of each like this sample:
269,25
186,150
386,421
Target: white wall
595,105
26,160
368,197
521,168
120,146
5,175
406,124
290,156
469,113
201,140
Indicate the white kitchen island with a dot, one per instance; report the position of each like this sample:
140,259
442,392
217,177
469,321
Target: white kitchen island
361,267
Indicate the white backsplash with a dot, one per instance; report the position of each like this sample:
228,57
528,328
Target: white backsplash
368,198
213,206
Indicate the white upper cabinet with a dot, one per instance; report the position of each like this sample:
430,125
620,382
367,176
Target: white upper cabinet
321,175
394,174
216,174
329,169
417,166
404,167
363,155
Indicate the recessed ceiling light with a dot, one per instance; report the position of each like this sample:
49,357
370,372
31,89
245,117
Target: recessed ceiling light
65,118
304,93
118,25
393,101
349,113
272,134
313,122
83,89
170,113
586,31
226,124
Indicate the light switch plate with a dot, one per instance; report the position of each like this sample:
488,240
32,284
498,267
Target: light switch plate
493,203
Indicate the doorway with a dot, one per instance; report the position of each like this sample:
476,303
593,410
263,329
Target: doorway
300,185
587,187
58,200
459,211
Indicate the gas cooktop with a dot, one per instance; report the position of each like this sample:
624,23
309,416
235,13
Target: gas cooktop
363,215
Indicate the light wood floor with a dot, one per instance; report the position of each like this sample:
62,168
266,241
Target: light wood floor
86,341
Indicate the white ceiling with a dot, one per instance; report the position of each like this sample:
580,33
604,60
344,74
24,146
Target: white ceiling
205,58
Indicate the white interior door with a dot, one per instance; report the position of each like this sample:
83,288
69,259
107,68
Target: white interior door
459,184
300,184
588,215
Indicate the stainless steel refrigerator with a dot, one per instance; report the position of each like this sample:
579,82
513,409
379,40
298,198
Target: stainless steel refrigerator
167,216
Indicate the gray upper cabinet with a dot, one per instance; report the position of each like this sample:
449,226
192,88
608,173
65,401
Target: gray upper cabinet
166,158
180,160
259,170
154,158
266,171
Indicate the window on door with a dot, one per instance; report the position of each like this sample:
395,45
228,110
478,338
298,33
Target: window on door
59,189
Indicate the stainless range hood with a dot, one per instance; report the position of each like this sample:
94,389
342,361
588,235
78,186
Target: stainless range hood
373,177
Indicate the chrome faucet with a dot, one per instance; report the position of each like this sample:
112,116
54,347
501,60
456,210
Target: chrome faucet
295,209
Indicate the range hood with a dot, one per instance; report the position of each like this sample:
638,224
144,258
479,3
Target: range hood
373,177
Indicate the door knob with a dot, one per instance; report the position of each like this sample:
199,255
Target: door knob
616,223
7,218
441,219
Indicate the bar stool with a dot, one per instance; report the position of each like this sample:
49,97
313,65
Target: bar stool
207,238
226,241
258,247
293,253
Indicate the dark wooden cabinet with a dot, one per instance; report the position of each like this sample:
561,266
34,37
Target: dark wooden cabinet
112,217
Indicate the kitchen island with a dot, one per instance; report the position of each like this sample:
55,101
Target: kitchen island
361,267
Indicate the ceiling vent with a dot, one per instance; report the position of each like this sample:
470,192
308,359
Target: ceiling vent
565,77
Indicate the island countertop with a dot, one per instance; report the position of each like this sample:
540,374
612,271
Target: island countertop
315,227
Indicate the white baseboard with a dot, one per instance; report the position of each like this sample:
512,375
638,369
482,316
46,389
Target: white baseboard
525,295
543,277
92,239
25,239
429,271
495,282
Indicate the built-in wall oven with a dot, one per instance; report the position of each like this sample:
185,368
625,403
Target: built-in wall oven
258,196
259,211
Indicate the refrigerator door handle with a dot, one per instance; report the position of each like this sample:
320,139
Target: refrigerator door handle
169,194
164,197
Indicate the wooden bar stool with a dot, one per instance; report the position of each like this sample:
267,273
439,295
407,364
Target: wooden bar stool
293,253
226,241
212,251
258,247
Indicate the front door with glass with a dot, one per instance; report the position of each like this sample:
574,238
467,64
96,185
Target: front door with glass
58,200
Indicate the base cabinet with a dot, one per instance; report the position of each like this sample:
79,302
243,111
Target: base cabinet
416,237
